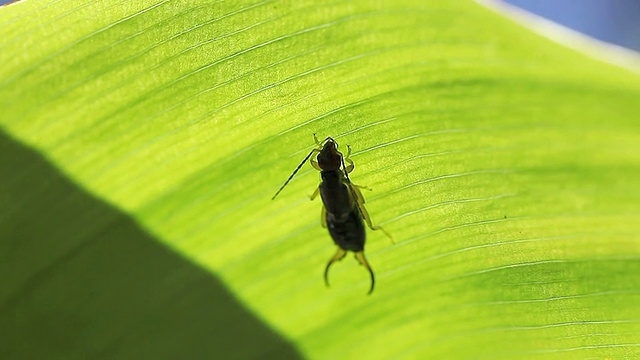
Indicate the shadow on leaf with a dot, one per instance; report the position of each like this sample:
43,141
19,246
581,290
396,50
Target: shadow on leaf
80,279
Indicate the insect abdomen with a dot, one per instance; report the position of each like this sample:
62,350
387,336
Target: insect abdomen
349,234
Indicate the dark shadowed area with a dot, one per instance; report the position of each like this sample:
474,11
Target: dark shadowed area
81,280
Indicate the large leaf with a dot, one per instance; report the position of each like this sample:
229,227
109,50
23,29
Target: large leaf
506,167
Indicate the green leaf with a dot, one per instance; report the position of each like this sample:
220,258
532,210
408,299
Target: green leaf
144,141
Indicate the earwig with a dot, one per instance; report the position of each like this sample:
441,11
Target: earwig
343,208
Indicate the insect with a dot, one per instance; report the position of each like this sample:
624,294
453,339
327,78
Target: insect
343,208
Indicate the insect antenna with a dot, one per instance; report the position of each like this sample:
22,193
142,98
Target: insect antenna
363,261
346,174
294,173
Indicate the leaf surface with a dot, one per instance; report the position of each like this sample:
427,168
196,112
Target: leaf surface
505,166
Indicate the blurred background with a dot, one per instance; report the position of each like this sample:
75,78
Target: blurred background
613,21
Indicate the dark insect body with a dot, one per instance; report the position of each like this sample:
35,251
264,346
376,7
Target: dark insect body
343,211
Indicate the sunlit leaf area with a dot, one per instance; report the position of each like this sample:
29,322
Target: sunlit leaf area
141,143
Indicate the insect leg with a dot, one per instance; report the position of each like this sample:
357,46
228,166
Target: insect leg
315,194
363,211
315,165
356,190
351,166
340,254
323,217
362,187
320,142
361,259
